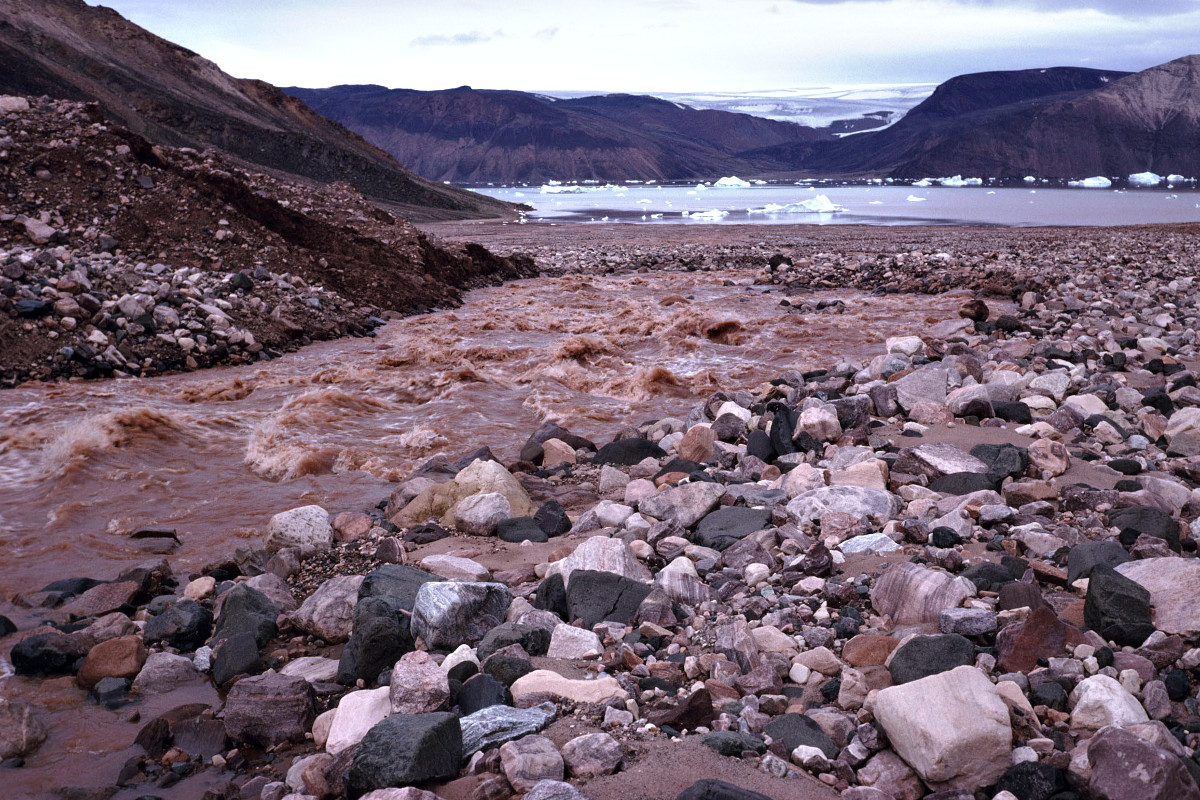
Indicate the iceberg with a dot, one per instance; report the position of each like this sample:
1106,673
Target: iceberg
552,188
714,214
959,180
732,182
912,198
924,182
1145,179
1173,178
1098,182
814,205
1030,179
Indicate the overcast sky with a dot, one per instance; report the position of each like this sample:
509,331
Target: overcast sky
663,45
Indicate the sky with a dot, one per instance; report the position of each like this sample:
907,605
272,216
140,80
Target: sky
663,45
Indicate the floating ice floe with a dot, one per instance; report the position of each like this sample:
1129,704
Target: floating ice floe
813,205
1174,178
557,188
732,182
924,182
959,180
912,198
1145,179
713,214
1030,179
1098,182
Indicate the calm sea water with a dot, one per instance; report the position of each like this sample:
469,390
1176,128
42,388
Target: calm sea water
863,205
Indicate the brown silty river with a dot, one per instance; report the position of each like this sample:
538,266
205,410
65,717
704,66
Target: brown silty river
214,454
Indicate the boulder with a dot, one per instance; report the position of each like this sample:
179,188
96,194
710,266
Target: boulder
395,584
164,672
380,636
269,709
567,641
21,733
406,749
921,386
598,596
798,730
481,514
1117,608
922,656
543,681
455,568
1100,701
721,528
938,460
912,595
328,613
306,528
1125,766
1019,645
1083,557
185,626
418,684
356,714
530,759
685,504
451,613
248,611
628,452
592,755
121,657
601,554
952,728
712,789
496,724
873,504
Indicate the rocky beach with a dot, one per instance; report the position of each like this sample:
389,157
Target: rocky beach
799,512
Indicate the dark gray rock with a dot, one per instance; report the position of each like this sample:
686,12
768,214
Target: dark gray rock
988,577
794,730
628,452
1116,607
269,709
595,596
960,483
552,518
380,636
395,584
246,610
922,656
1083,557
1032,780
535,641
552,596
733,743
1003,460
481,691
1145,520
184,626
405,749
721,528
711,789
494,725
521,529
235,655
43,654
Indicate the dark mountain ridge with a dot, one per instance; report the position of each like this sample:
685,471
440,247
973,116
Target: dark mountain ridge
170,95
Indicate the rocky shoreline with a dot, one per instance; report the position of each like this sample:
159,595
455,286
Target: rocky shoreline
963,568
122,258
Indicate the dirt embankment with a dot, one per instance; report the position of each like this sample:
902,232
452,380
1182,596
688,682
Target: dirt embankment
118,256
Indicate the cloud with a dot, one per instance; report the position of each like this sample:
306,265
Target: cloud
458,39
1116,8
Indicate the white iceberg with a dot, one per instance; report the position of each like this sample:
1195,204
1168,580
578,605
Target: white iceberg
813,205
554,188
959,180
714,214
912,198
732,182
1098,182
924,182
1030,179
1174,178
1145,179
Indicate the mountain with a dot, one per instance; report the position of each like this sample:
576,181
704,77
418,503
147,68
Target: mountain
172,96
472,135
1057,123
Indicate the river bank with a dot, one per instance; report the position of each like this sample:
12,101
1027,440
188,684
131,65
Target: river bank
779,458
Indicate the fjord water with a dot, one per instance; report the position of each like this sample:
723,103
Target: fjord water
214,454
864,205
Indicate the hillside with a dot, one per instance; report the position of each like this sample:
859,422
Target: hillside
471,135
170,95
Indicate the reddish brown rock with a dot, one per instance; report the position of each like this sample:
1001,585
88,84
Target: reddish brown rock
1041,635
350,526
122,657
103,599
868,649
